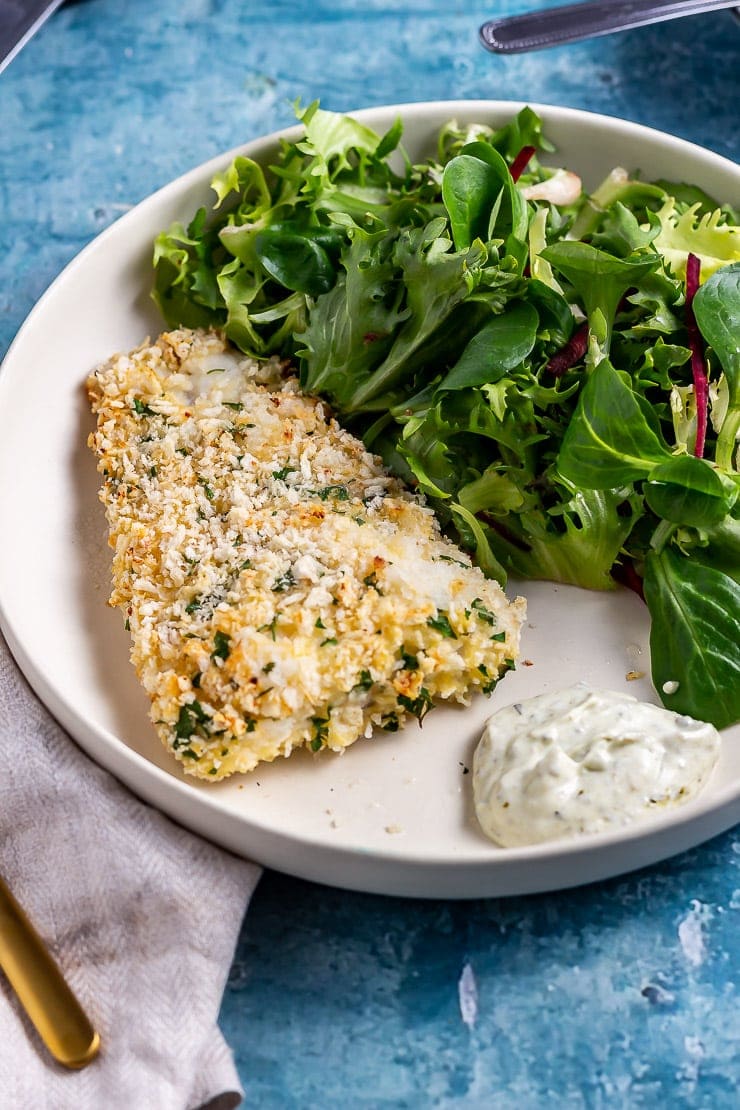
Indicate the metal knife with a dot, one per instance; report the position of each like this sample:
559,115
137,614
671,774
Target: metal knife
19,20
555,26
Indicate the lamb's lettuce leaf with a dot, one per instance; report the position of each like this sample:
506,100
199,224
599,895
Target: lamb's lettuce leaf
693,640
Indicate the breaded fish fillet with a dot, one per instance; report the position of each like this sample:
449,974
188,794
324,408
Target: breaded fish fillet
280,587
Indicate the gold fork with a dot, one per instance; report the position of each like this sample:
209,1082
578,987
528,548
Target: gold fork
42,990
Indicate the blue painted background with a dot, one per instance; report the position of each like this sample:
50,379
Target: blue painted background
623,994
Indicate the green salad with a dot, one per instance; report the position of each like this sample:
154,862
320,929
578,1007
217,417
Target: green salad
558,373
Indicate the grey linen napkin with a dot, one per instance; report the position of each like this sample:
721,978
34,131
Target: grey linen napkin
141,915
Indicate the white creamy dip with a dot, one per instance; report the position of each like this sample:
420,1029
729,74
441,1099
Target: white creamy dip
582,760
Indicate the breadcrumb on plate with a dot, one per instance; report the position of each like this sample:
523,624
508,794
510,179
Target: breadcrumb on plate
280,587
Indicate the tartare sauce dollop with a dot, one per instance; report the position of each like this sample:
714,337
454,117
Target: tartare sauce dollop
583,760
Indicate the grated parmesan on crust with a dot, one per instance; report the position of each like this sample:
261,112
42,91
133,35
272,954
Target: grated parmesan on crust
281,589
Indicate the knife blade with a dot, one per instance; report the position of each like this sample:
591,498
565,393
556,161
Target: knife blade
19,21
547,27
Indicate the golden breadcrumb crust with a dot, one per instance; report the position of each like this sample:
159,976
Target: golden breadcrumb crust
281,589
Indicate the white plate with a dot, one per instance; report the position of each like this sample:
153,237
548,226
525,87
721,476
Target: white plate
392,815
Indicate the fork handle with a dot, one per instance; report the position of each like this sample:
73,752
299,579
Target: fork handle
41,988
573,22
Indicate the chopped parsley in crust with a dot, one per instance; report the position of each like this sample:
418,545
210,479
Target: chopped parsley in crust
280,587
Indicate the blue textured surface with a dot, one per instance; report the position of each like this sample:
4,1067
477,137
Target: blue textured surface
623,994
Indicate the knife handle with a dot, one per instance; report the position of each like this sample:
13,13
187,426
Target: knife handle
41,988
573,22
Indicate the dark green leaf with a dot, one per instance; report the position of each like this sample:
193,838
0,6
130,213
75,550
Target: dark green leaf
694,641
390,140
621,232
722,547
351,328
320,733
525,129
501,344
365,681
686,490
295,261
689,195
470,188
600,279
481,198
435,280
609,440
717,311
511,216
553,309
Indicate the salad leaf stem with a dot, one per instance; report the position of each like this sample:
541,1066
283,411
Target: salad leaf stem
573,351
698,367
625,573
520,163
